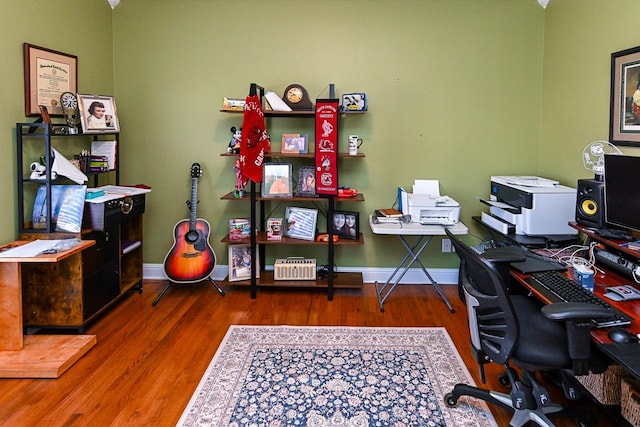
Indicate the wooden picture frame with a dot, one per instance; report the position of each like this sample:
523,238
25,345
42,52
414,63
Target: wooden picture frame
295,143
276,180
98,114
306,186
240,262
346,224
624,128
300,223
47,74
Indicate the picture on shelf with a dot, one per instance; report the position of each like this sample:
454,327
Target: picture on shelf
296,143
306,186
346,224
240,263
276,180
301,223
98,114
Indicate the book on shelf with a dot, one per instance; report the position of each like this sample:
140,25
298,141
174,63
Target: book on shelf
388,213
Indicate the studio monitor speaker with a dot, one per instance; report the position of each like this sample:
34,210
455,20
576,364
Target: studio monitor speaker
590,203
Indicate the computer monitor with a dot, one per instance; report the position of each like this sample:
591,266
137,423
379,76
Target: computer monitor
622,191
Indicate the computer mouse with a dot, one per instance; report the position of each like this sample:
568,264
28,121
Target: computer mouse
622,335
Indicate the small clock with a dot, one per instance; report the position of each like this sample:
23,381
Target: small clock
69,104
297,97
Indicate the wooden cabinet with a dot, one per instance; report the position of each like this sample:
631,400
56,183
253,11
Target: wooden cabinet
73,292
259,206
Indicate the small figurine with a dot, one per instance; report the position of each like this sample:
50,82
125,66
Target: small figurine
241,181
236,140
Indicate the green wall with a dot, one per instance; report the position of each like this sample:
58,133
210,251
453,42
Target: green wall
76,27
443,80
459,90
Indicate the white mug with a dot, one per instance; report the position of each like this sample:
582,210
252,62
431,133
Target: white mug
354,144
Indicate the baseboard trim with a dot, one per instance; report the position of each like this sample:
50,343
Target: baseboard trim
415,276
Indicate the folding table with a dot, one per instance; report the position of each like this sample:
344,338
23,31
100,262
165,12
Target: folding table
415,237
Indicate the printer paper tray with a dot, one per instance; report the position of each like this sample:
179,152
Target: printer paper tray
497,224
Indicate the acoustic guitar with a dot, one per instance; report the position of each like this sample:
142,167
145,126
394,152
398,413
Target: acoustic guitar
191,259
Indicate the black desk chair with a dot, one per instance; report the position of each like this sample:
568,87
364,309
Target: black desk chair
507,328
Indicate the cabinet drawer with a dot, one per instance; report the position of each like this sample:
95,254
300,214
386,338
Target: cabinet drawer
103,252
100,288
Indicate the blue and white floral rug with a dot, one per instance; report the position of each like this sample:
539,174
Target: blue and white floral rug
333,376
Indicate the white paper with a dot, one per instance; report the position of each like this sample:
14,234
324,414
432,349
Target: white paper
38,247
124,190
277,104
427,186
532,181
64,167
105,148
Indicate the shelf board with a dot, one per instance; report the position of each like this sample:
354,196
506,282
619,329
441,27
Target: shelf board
262,240
279,155
340,281
357,198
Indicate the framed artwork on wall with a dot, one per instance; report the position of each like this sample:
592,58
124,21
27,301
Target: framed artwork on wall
98,114
624,128
47,75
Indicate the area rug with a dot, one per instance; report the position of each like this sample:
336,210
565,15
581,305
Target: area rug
333,376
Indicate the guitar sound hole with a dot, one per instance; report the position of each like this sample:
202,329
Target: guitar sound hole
191,236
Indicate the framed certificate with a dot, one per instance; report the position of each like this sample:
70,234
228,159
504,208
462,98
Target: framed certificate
47,75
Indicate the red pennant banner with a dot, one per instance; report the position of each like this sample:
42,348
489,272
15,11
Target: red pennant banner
327,146
255,142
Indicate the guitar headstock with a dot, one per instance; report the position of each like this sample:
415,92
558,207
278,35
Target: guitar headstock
196,171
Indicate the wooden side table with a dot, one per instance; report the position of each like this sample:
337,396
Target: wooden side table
33,356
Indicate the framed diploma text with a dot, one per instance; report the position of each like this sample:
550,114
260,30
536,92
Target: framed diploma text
47,74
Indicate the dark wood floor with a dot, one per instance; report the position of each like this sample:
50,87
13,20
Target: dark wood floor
148,360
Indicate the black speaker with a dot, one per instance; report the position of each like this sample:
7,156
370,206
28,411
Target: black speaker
590,203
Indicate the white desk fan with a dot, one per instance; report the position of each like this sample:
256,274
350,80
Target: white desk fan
590,197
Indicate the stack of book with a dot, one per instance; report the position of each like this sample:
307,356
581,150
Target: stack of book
388,215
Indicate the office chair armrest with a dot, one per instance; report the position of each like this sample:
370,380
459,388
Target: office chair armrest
500,255
575,310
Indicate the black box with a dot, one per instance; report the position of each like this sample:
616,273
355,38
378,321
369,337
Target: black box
100,216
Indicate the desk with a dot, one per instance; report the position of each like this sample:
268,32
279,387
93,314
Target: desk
421,236
33,356
626,355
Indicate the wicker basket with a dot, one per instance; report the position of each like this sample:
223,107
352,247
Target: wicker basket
630,400
605,387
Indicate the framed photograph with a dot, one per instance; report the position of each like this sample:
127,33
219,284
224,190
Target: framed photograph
47,74
296,143
98,114
276,180
346,224
240,262
624,126
300,223
306,182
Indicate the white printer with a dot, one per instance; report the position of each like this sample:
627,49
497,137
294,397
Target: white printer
426,206
530,205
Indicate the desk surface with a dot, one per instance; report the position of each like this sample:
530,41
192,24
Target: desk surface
415,228
626,355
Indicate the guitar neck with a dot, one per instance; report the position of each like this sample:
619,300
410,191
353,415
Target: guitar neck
194,204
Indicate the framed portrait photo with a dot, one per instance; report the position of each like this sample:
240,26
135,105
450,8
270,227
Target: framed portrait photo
98,114
300,223
276,180
295,143
240,262
306,186
346,224
47,75
624,126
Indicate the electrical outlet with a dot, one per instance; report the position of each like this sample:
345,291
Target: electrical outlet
446,245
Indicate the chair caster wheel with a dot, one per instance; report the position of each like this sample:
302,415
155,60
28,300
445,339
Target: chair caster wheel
451,400
504,380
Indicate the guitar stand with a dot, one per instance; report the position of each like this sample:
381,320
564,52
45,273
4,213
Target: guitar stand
170,283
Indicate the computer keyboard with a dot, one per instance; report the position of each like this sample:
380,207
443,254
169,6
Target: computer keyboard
556,287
